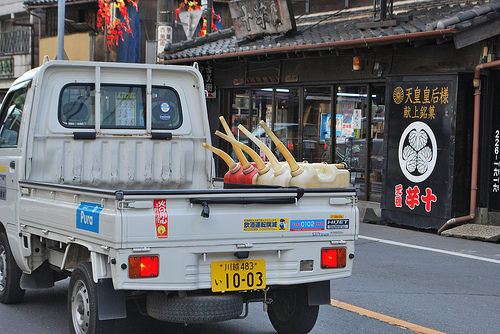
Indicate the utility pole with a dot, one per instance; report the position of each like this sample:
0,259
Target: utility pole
210,7
61,14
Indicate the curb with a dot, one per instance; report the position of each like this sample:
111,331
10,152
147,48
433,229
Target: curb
370,212
488,233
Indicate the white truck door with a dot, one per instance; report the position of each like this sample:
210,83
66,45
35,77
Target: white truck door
11,114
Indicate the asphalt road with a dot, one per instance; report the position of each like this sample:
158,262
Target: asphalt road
404,281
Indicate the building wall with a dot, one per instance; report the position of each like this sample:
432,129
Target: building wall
148,16
76,47
330,67
17,52
21,64
315,69
11,6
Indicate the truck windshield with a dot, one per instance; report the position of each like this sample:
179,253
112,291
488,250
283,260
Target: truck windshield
122,106
12,111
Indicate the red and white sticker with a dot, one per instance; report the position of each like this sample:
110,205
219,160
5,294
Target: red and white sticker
161,217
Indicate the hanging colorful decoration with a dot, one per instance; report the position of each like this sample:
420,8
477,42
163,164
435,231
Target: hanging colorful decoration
193,5
113,26
188,5
203,30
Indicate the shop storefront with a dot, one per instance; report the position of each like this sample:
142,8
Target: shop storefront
327,91
342,112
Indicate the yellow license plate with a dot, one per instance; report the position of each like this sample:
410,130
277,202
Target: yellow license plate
238,275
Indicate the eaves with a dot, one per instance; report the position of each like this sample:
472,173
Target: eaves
348,44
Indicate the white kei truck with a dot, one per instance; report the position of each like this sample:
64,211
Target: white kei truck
104,179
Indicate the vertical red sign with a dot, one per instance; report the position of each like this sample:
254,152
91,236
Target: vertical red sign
161,217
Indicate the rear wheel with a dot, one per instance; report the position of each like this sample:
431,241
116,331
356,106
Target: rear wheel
10,274
290,312
82,303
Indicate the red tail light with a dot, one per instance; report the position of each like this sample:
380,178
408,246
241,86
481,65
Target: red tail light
142,266
333,258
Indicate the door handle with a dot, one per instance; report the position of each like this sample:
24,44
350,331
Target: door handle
12,165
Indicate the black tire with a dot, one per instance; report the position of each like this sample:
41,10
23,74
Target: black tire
82,303
290,312
194,309
10,274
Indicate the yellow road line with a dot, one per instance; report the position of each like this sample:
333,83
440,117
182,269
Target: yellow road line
393,321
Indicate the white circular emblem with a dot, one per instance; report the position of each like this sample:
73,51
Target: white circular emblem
417,152
165,107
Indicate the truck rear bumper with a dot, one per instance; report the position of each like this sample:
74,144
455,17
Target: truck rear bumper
190,268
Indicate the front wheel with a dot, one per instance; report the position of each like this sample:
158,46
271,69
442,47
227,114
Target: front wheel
290,312
10,274
82,303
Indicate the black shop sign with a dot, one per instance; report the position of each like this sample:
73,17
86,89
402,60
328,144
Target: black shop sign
421,130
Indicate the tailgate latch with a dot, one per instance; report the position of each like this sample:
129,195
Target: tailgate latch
205,212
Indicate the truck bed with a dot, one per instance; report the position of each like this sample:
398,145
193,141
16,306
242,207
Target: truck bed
202,226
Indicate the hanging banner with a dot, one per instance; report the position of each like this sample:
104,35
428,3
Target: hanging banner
164,37
424,130
207,71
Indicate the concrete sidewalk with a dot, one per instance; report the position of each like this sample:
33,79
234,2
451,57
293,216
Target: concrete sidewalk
370,212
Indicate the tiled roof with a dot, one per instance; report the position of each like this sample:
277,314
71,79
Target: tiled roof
346,29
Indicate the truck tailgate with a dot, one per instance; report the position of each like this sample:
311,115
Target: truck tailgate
220,217
286,228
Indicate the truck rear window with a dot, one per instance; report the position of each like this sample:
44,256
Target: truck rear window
122,106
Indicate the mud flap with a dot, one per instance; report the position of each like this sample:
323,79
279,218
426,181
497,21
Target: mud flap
110,302
318,293
41,278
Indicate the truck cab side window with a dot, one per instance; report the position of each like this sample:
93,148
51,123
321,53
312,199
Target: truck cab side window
12,111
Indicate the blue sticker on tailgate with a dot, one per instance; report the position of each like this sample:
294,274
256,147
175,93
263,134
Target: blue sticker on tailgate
87,216
307,225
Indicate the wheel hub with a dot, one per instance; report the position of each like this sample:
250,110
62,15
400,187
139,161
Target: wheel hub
80,308
3,266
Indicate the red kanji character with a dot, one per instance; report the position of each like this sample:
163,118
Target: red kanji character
428,198
398,200
412,197
399,189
